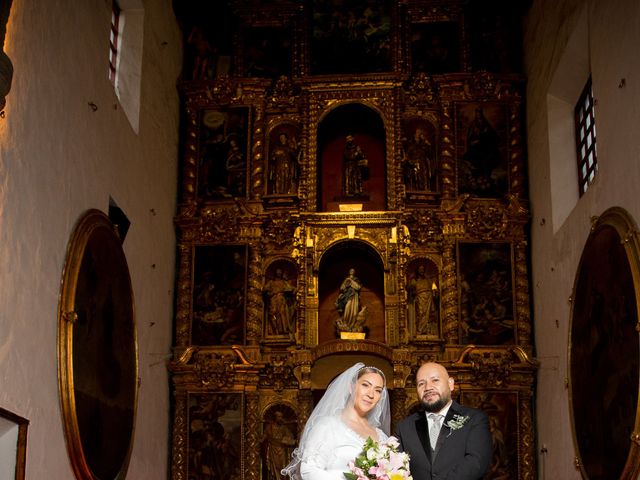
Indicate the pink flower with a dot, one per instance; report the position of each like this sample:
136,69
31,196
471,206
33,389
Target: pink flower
393,442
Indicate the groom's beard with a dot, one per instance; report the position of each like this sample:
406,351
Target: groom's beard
436,405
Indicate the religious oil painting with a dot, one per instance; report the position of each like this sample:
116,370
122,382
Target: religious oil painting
97,351
351,36
267,52
279,438
604,350
423,297
435,47
502,409
284,165
419,150
222,164
215,436
219,295
486,294
481,145
208,39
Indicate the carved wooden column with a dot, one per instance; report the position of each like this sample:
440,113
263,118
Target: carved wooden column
252,437
447,158
305,407
516,152
254,297
183,296
527,445
258,160
522,294
449,292
179,453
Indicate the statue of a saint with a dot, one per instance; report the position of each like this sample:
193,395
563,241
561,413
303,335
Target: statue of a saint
278,444
281,304
355,168
283,175
418,163
352,317
421,298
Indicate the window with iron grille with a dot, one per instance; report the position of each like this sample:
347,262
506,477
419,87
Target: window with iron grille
586,138
114,42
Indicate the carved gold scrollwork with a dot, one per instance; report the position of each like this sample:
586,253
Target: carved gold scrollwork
491,369
214,370
282,95
487,221
421,90
279,230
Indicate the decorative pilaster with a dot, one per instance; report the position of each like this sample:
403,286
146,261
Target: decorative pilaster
254,298
527,445
184,295
449,293
523,316
179,453
447,156
516,152
252,437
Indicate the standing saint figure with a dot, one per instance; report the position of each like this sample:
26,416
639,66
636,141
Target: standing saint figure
281,304
352,317
418,163
421,298
278,445
284,166
355,168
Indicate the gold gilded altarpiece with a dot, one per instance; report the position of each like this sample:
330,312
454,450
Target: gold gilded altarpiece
261,256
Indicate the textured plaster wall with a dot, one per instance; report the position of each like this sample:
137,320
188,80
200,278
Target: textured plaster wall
59,158
614,28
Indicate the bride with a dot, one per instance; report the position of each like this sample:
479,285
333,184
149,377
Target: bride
354,407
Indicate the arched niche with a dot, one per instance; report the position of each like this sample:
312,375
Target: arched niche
333,269
366,128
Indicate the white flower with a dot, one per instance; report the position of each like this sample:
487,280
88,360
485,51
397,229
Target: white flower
371,454
457,422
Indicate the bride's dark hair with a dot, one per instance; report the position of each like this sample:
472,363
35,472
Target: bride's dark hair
333,402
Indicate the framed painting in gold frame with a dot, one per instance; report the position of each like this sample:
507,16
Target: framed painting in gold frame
97,351
604,356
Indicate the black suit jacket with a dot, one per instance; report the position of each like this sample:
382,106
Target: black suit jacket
460,454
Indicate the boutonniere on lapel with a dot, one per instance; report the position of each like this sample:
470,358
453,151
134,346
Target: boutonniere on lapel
456,422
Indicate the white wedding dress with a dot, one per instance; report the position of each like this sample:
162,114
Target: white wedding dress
331,446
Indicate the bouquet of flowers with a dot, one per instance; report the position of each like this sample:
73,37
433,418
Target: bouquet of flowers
380,461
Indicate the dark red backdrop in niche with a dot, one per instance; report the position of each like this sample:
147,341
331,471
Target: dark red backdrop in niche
332,179
604,355
334,268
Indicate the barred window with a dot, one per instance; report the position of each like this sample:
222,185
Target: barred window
114,41
586,138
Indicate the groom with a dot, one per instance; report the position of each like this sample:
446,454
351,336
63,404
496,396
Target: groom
447,441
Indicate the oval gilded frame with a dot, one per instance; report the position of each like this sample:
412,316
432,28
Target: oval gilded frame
97,351
613,221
